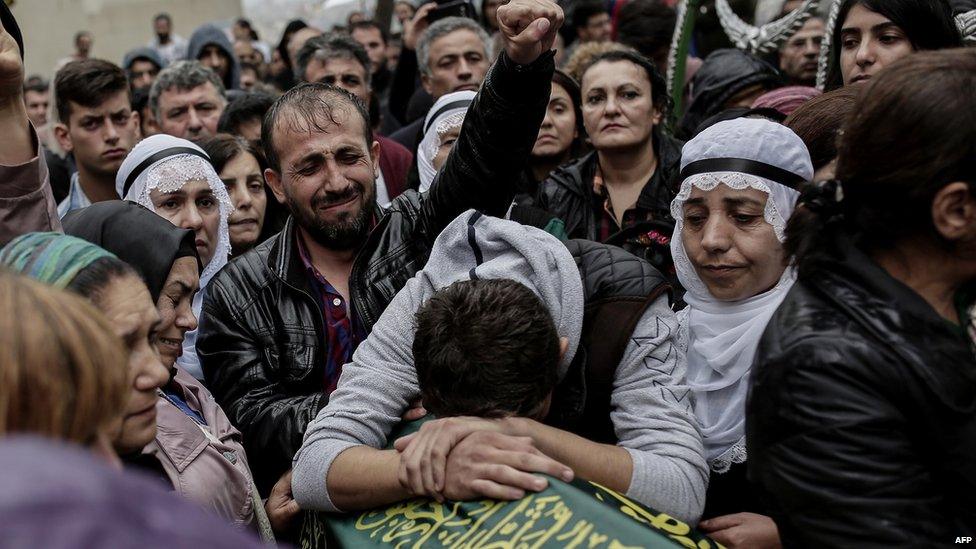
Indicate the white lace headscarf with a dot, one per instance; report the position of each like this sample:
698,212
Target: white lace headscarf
720,337
166,163
446,114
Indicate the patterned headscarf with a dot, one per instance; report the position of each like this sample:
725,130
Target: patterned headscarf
52,258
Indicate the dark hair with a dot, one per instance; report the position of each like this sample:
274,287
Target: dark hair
92,281
243,109
163,17
928,24
81,34
485,348
659,88
89,83
306,106
647,26
331,46
912,131
224,147
36,87
819,120
370,24
291,28
572,88
585,10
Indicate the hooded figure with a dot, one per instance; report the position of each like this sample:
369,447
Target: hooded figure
207,35
725,74
145,54
720,337
650,417
168,163
447,114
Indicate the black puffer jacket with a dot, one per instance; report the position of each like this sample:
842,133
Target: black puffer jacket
261,332
724,74
861,422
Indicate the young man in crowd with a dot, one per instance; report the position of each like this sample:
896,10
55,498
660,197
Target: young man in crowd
374,40
186,100
621,415
338,60
142,65
279,322
798,57
453,54
171,47
591,23
97,125
26,201
37,98
211,47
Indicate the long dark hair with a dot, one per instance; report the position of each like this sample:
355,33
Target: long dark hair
224,147
928,24
912,131
566,82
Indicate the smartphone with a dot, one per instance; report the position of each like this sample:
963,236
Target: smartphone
452,8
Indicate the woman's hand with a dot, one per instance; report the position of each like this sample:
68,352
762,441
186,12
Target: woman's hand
743,530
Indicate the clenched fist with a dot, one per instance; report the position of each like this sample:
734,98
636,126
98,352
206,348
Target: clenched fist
529,28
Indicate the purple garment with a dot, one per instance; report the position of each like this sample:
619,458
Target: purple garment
58,496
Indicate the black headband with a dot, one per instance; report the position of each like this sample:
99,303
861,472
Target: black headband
452,105
742,165
165,153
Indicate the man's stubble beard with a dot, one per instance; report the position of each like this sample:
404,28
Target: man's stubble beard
346,234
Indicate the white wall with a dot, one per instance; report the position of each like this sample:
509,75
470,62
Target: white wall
49,26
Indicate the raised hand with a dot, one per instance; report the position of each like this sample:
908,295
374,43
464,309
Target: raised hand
11,67
416,26
529,28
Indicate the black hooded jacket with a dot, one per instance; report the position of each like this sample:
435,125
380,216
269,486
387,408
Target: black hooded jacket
861,419
209,34
725,73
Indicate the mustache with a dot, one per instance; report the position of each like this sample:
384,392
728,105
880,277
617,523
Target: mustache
326,199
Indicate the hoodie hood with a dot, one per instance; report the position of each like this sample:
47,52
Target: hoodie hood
475,246
210,34
724,73
149,54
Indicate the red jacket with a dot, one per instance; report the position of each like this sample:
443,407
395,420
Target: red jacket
395,162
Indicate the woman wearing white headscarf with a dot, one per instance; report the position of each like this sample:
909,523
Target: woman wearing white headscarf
441,129
173,177
738,189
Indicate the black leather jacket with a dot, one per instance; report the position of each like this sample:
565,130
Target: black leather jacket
261,341
861,422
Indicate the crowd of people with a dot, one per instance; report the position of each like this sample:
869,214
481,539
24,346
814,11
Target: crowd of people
239,269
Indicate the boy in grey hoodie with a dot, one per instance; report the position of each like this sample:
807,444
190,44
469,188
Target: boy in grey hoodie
657,459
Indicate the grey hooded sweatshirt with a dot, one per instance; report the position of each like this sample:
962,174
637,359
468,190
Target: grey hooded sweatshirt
652,414
210,34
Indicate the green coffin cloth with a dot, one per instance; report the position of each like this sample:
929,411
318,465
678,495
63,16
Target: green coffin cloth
577,514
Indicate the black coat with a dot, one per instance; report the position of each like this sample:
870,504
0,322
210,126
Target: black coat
861,421
724,74
261,340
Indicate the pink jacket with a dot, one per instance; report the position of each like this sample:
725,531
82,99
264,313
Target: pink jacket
213,474
26,201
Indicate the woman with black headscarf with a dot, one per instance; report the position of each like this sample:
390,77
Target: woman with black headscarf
196,447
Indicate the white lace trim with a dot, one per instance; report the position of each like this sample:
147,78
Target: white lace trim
706,182
169,175
735,454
